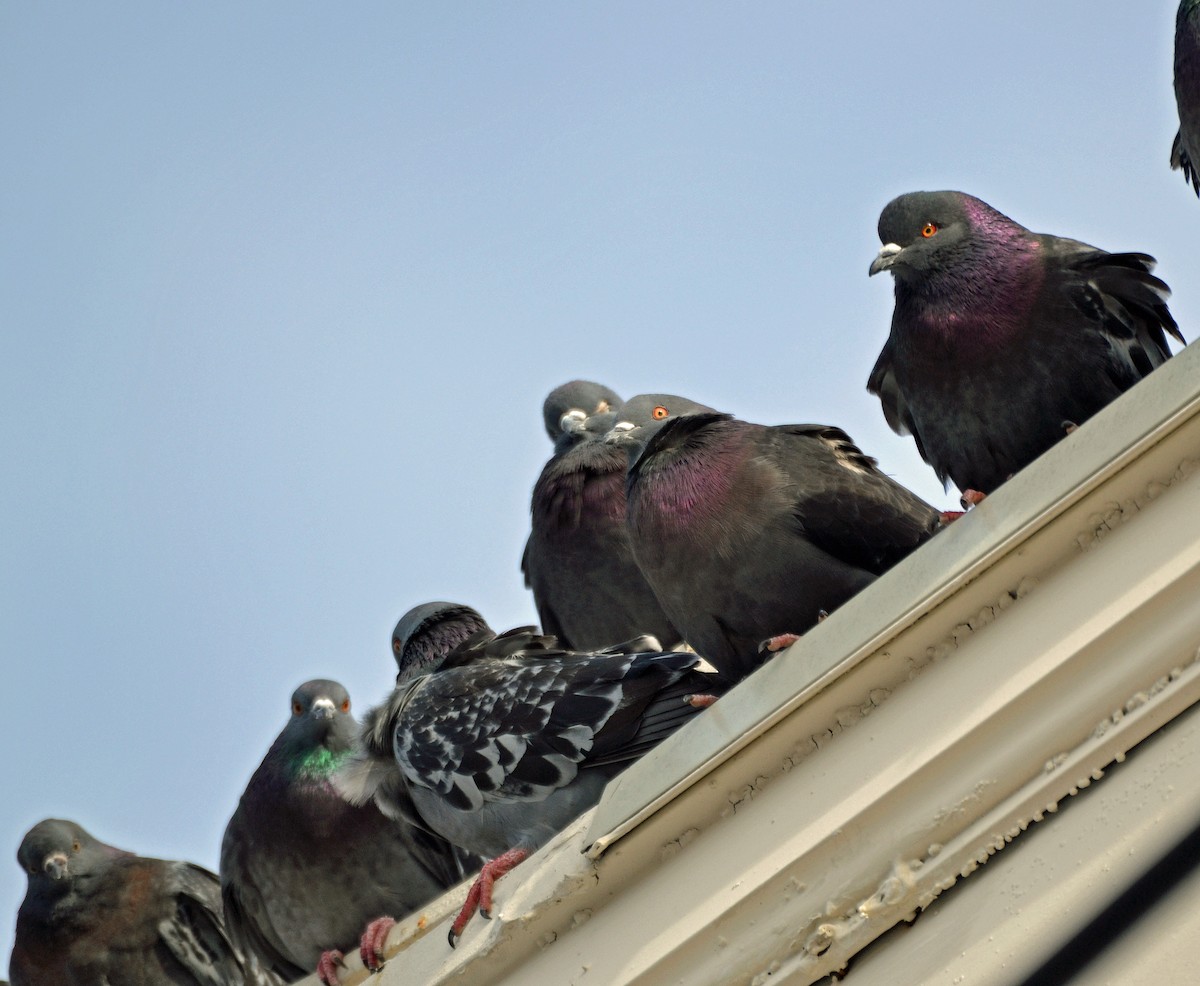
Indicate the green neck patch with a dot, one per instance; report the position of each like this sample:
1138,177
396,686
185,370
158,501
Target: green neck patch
318,764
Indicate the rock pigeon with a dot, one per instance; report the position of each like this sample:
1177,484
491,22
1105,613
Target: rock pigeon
749,531
1185,152
576,399
302,871
1002,340
93,915
502,740
588,589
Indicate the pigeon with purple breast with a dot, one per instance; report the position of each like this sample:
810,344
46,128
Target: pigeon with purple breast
94,915
578,562
750,532
303,872
1185,152
501,740
1004,340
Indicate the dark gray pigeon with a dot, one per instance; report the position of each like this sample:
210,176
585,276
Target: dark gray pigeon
588,589
303,872
1002,340
748,532
575,400
502,740
1185,152
94,915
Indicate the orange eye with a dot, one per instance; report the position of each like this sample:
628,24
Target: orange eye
296,708
395,646
346,705
75,846
659,413
928,230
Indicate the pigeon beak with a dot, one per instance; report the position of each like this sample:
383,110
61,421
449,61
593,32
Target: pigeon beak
55,865
571,422
620,433
323,708
886,257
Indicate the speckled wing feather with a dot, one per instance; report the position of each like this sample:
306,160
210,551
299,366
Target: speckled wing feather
195,934
516,729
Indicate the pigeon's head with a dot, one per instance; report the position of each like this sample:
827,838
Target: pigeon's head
568,406
426,634
56,852
641,417
578,430
925,234
321,723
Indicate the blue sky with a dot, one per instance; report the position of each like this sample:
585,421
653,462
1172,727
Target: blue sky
284,286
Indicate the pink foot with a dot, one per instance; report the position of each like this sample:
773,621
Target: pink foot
327,967
373,941
778,642
950,516
699,701
480,894
972,498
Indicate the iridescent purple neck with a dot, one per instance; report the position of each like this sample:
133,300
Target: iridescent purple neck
981,296
689,485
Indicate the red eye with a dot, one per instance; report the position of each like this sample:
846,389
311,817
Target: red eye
659,413
928,230
346,705
296,708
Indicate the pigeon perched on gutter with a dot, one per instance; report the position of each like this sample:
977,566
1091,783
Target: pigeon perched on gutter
505,739
94,915
303,872
747,531
1185,152
588,589
1003,340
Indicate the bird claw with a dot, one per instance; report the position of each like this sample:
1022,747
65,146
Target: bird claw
971,498
373,942
1070,427
479,897
328,965
699,701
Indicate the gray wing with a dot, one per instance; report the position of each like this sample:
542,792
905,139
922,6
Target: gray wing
246,915
195,935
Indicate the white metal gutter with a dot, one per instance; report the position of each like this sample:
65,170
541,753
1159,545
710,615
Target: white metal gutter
922,727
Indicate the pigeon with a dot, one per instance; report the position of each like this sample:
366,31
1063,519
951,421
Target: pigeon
503,739
1185,152
1004,340
749,532
303,872
577,400
93,915
588,590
